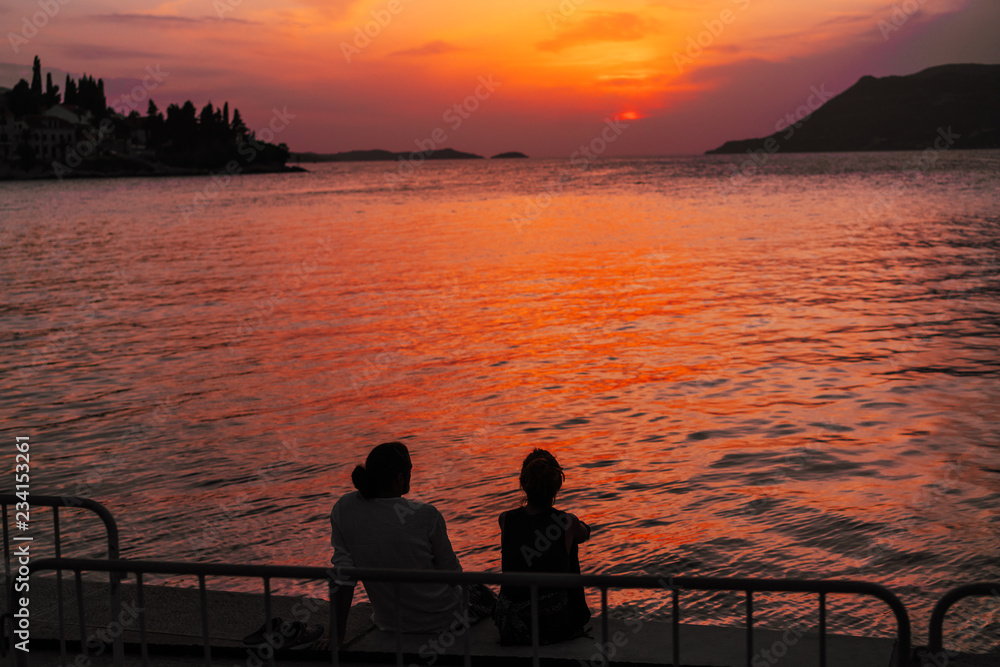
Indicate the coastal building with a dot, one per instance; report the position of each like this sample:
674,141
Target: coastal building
70,113
132,137
50,137
12,133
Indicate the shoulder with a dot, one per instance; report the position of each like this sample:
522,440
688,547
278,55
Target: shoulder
348,499
516,515
407,507
573,525
418,506
565,519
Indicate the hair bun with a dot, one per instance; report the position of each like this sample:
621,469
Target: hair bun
361,480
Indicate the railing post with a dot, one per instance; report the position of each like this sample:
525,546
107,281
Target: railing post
675,623
535,640
822,629
334,624
59,587
399,628
532,581
935,629
267,615
203,600
140,603
604,615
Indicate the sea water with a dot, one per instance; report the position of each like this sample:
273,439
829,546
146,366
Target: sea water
787,369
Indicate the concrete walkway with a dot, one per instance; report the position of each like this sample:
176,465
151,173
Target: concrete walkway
174,634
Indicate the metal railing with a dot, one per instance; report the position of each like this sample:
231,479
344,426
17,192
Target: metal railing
24,544
533,581
935,630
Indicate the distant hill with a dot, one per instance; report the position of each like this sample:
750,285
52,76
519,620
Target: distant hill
378,155
508,155
896,113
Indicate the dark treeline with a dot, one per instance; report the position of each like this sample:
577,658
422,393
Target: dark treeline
183,137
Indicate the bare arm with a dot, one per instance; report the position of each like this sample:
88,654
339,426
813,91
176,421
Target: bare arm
576,533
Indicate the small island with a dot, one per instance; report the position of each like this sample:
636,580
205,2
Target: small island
74,133
958,105
509,155
379,155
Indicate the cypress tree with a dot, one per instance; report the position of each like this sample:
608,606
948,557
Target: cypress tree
70,95
51,91
239,127
36,78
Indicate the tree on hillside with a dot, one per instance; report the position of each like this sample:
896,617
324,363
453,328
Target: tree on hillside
36,78
90,96
69,96
206,122
238,126
154,124
20,100
51,92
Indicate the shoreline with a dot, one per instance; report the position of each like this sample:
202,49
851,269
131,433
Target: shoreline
18,175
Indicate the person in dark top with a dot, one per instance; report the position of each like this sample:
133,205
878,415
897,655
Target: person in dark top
537,537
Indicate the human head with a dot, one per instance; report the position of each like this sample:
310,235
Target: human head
386,470
541,478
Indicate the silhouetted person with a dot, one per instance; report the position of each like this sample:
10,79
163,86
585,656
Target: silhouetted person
536,537
376,527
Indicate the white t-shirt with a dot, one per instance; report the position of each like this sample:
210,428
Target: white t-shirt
402,534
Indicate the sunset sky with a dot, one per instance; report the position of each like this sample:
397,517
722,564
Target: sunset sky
683,76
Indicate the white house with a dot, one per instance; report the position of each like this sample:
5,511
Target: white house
50,137
11,134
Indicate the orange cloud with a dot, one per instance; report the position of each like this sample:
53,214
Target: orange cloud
602,27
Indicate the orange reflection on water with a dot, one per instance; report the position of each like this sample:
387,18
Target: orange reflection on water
738,384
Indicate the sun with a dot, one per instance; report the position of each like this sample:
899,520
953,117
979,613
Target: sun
630,115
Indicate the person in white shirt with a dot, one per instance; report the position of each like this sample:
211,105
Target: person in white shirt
376,527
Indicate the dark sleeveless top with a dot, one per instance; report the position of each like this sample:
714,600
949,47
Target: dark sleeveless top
537,543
